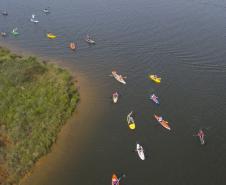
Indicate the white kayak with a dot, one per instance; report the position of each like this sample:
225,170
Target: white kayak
140,151
33,19
89,40
119,78
45,10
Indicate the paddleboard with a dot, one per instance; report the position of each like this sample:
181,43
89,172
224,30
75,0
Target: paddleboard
130,121
115,97
140,151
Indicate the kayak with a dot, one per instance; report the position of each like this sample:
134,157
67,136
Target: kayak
114,180
72,45
155,78
201,136
154,98
33,19
115,97
119,78
5,13
130,121
51,36
46,11
164,123
14,32
89,40
140,151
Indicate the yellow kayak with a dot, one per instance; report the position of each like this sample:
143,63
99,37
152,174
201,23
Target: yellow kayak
155,78
51,36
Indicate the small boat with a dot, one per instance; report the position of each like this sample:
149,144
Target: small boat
119,78
201,136
140,151
3,34
51,36
33,19
164,123
5,13
89,40
130,121
115,97
154,98
72,45
114,180
15,32
46,11
155,78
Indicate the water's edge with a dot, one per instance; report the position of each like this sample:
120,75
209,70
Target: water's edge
78,79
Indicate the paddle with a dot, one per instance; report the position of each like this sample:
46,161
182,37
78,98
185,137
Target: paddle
122,176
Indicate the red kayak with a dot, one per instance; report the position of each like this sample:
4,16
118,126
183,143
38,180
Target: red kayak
114,180
164,123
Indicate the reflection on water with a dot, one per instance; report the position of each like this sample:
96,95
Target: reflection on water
182,41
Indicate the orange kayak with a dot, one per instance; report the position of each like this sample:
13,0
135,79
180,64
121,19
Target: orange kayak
72,45
164,123
114,180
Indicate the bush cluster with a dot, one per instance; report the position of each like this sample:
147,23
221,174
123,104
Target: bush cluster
36,99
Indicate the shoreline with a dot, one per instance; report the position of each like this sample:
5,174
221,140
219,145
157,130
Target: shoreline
25,53
72,138
75,84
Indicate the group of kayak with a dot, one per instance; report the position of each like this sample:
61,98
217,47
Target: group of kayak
33,19
120,79
73,45
115,96
130,120
155,99
164,123
131,123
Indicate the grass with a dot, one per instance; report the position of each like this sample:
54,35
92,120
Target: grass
35,101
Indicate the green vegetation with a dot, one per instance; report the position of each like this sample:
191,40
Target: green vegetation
35,101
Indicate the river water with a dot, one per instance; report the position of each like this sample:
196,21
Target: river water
183,41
